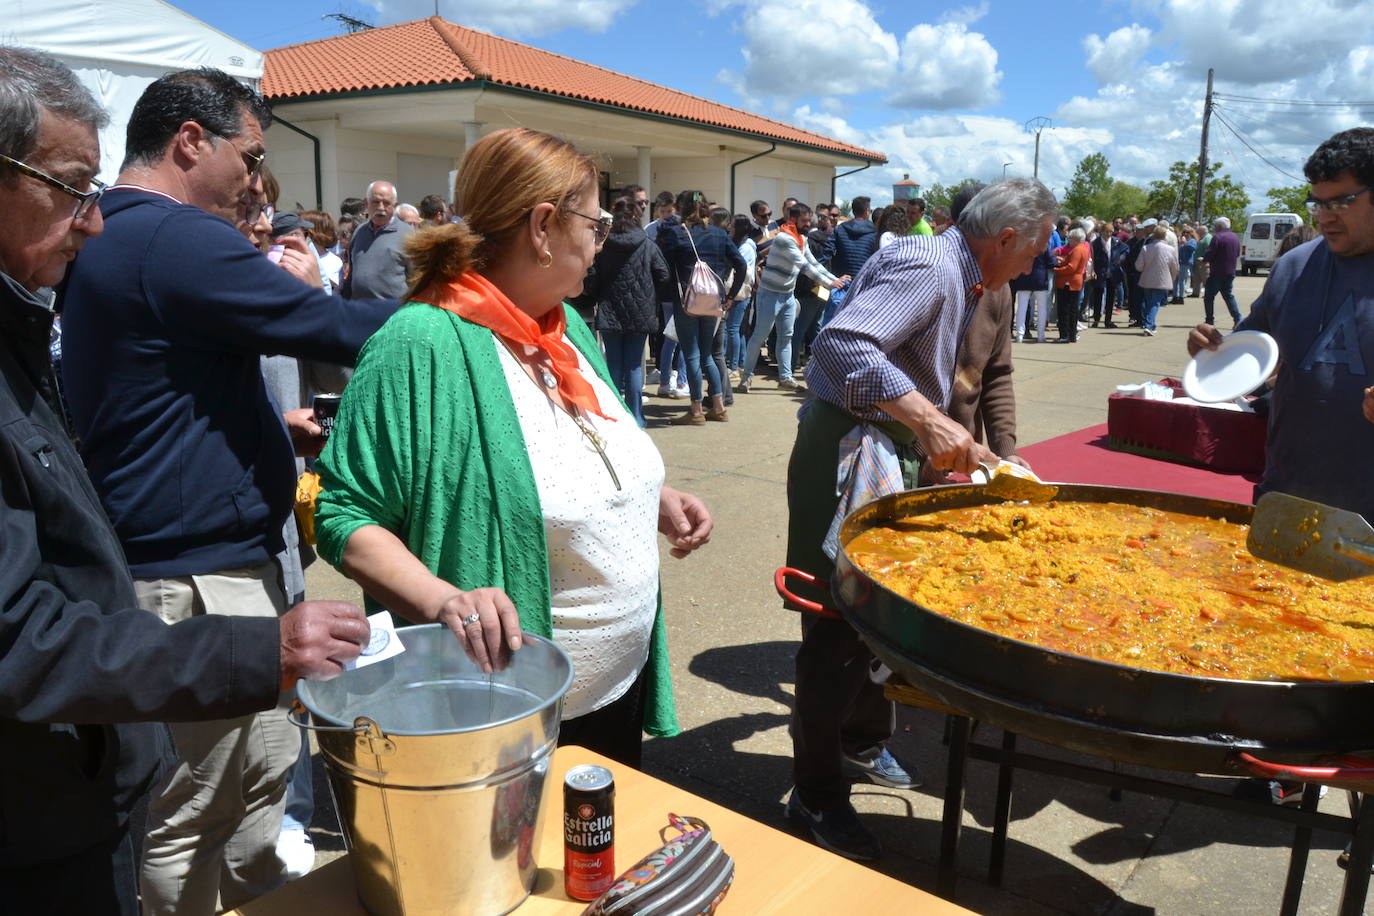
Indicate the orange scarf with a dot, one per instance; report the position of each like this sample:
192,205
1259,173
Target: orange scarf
791,229
474,297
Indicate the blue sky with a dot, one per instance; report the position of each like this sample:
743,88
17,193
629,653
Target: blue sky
944,88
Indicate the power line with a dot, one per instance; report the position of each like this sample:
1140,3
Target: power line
1250,99
1227,124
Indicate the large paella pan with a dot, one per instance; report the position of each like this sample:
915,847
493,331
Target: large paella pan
1185,720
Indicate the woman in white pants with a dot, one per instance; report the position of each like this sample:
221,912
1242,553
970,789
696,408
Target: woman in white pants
1033,288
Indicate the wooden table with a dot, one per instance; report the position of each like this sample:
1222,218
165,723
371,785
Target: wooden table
774,871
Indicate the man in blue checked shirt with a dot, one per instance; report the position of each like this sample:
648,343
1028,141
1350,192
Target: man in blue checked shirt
882,369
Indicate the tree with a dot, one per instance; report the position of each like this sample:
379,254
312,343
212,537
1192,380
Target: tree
1173,197
1089,180
1290,200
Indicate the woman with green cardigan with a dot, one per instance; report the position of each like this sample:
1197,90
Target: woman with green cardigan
483,472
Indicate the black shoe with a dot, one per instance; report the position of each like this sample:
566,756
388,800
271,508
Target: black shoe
1110,325
837,829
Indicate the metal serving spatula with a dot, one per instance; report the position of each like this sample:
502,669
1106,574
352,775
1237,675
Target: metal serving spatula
1311,537
1006,480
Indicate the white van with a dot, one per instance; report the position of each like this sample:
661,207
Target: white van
1260,243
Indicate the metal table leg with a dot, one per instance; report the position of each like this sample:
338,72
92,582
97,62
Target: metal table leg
1297,859
1002,813
947,877
1361,855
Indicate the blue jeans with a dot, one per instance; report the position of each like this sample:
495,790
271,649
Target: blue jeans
806,327
1219,284
734,337
1185,271
694,336
624,359
1154,298
771,307
300,791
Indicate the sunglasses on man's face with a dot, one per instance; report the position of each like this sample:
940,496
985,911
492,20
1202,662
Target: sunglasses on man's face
85,200
252,162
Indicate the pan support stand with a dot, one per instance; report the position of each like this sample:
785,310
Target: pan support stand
1305,818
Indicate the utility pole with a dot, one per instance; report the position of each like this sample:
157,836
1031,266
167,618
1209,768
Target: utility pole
1037,125
351,23
1202,154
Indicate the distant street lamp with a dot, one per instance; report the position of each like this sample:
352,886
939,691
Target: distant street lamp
1004,169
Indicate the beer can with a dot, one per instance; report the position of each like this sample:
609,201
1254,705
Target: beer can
326,406
588,832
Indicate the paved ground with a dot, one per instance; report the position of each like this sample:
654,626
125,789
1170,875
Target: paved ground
1073,849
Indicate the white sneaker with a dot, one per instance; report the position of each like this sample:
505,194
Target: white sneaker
653,378
296,852
682,391
665,392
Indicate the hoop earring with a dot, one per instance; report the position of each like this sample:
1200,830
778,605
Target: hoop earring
546,254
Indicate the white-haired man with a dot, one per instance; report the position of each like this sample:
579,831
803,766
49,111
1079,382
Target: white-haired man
377,263
1221,277
882,371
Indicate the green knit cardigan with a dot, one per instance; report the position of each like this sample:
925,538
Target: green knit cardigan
428,445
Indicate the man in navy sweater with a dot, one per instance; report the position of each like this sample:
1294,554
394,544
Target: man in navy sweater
165,317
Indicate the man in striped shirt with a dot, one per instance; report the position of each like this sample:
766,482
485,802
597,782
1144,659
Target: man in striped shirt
885,363
776,301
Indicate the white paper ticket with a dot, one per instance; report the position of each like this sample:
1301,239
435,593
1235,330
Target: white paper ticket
384,643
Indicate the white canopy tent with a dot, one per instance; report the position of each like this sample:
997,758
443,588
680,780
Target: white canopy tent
118,47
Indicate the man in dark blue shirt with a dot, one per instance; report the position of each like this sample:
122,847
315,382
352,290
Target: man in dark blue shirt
166,317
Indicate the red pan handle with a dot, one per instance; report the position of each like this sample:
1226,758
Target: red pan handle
1351,769
803,604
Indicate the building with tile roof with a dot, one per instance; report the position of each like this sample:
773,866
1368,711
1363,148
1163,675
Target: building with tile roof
403,102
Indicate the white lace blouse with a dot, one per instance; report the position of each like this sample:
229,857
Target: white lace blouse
602,542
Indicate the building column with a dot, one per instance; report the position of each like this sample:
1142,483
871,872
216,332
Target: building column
646,175
472,132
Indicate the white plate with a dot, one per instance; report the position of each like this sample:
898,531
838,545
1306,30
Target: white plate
1237,367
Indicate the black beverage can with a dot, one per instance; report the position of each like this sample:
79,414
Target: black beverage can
588,832
326,406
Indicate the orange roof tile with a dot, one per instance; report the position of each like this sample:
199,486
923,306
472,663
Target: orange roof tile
435,52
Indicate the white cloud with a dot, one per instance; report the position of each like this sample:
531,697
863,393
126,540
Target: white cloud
946,66
1262,41
1114,57
529,17
938,66
966,15
771,52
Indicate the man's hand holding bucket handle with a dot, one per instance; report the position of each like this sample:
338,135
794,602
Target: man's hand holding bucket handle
317,637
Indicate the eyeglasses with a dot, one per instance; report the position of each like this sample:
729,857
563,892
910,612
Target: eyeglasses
253,212
251,163
1333,204
85,200
602,225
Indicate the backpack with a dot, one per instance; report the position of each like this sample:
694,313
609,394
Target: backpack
704,294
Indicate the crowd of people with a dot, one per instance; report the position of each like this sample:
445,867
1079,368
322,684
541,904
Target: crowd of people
488,468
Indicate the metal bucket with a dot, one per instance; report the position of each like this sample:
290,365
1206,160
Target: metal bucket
438,771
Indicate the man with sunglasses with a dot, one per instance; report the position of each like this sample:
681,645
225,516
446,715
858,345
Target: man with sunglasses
1318,303
76,646
166,317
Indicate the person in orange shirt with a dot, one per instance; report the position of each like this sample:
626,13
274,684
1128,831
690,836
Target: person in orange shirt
1069,265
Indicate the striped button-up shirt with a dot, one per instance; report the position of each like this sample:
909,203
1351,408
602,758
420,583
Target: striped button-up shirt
900,327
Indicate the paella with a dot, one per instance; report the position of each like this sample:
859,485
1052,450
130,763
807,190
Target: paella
1134,585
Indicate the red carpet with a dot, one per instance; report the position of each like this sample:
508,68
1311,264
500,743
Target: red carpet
1083,457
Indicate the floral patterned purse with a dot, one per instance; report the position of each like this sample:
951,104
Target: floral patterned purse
689,875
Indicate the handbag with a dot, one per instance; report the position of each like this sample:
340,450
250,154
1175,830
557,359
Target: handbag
704,293
688,875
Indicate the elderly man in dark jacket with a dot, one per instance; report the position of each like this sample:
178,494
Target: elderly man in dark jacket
628,279
85,676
